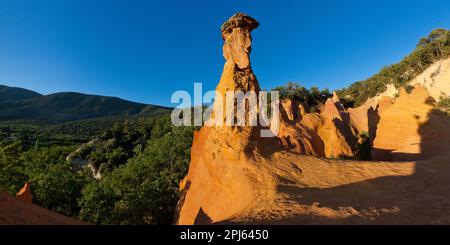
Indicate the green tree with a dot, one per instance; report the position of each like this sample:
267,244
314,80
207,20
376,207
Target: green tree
311,97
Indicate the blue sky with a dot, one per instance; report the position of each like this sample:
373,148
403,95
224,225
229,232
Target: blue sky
145,50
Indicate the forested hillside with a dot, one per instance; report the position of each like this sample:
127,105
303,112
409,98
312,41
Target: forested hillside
429,49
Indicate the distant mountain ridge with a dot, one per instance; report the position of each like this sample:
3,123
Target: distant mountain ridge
24,104
16,94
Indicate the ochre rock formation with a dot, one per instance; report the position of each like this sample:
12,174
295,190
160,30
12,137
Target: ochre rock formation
297,137
238,41
391,91
331,111
436,79
237,74
333,134
336,131
294,109
237,177
405,127
364,119
384,103
335,97
219,179
25,193
328,134
359,118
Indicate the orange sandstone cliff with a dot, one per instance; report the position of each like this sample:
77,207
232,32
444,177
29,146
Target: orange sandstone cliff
411,128
325,134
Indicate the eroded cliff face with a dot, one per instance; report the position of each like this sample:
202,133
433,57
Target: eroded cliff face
325,134
436,79
297,137
408,129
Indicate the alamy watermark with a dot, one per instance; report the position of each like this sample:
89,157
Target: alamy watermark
233,108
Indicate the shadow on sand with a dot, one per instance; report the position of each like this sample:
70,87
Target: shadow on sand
421,198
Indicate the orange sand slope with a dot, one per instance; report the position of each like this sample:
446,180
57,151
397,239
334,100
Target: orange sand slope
17,212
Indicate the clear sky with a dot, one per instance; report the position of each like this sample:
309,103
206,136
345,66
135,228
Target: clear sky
145,50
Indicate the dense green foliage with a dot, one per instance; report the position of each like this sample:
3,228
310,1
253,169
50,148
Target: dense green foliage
54,184
145,190
122,141
429,49
62,134
310,97
12,174
143,161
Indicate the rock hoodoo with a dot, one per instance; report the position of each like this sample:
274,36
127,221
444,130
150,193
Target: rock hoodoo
237,74
220,155
238,40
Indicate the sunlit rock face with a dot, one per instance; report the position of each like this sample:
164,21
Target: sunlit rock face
237,75
407,128
436,79
326,134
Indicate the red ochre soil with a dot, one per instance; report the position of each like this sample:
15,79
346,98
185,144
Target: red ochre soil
15,211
